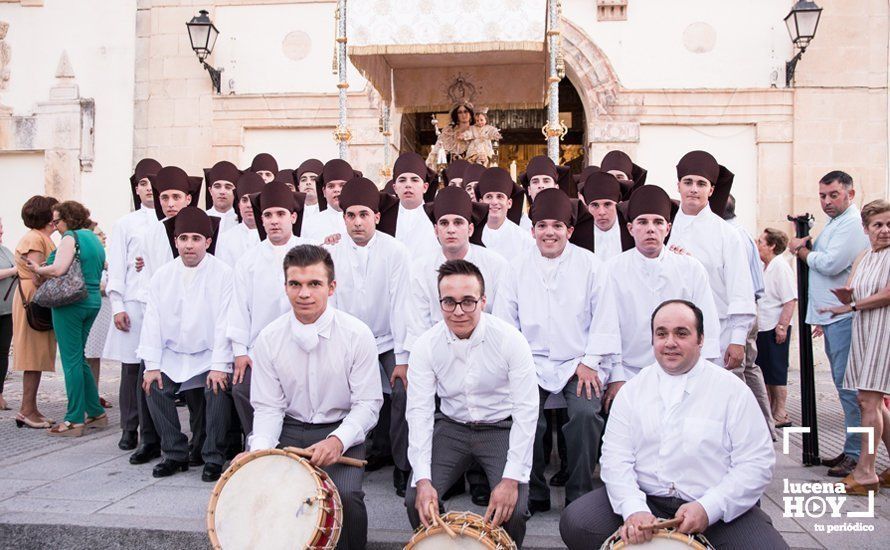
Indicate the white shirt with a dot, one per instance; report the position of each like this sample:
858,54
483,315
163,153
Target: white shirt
227,219
415,231
319,373
509,240
125,244
780,287
487,377
373,285
156,249
183,332
719,247
700,436
258,297
551,301
323,224
425,308
633,286
235,242
607,244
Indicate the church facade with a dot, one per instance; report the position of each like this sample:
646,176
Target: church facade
89,87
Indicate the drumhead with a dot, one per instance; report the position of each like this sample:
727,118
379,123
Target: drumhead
662,540
268,502
441,541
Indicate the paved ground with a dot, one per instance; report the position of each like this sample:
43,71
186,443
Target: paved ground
58,492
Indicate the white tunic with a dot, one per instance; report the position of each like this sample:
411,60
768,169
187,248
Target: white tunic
183,334
425,308
258,297
718,246
415,230
373,285
780,287
487,377
551,301
156,249
509,240
700,436
632,287
319,373
127,288
607,244
227,220
323,224
235,242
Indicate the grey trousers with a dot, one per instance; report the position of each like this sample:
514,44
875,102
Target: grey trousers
398,426
589,521
347,479
217,421
128,397
161,402
749,372
455,446
241,398
583,433
148,434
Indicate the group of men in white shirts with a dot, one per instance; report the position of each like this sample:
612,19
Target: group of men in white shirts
300,303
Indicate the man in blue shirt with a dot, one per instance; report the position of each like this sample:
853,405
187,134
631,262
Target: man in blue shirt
830,262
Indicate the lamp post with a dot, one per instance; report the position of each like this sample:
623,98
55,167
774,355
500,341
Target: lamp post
802,22
203,34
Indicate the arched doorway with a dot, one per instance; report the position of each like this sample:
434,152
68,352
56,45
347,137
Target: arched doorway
521,130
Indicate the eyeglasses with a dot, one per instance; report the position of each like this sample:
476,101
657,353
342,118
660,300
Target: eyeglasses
467,305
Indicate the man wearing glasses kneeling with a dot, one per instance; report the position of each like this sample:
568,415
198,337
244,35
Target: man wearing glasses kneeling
482,370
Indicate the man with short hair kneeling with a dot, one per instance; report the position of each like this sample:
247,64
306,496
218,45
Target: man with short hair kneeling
698,450
482,370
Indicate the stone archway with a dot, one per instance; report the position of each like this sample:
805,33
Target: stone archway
592,74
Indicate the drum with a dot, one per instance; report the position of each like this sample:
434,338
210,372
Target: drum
664,539
472,533
274,499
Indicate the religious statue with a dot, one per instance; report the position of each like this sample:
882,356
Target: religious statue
469,136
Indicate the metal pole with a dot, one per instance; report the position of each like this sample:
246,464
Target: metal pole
552,130
810,457
386,171
342,134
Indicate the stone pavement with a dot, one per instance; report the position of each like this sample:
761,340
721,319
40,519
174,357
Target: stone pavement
82,492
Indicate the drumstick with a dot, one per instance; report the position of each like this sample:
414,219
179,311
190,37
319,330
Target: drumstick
345,460
438,521
666,524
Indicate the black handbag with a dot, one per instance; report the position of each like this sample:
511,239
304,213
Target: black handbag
39,318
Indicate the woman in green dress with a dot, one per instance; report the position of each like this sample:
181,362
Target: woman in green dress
72,323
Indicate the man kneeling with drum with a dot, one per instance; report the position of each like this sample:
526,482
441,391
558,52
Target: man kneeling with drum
482,370
685,440
316,383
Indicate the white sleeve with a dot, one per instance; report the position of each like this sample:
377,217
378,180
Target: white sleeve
741,308
116,255
617,461
151,343
420,409
400,303
506,307
366,391
751,462
523,381
421,317
267,399
703,297
222,346
238,322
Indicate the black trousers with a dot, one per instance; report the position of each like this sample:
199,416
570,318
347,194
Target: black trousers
5,342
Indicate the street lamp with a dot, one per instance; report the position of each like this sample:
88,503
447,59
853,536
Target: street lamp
203,34
802,22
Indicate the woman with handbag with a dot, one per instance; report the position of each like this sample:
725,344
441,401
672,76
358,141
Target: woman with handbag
34,342
72,276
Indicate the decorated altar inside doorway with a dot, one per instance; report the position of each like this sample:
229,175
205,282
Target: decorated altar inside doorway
492,54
